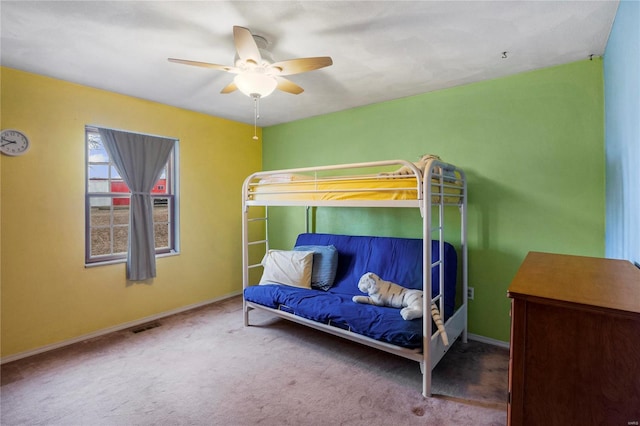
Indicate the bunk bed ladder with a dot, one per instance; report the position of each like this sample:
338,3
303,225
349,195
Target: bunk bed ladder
426,207
247,243
434,184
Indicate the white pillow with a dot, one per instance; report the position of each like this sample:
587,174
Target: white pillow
287,267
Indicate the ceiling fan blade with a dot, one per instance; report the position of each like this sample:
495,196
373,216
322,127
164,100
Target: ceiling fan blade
205,65
231,87
288,86
246,45
297,66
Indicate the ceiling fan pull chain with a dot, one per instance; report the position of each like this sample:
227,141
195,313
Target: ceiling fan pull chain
256,115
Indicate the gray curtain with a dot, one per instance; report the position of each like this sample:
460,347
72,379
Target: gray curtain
139,159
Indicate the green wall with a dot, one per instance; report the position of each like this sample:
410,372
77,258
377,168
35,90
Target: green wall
533,149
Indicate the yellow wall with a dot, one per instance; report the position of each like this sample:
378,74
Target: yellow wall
47,295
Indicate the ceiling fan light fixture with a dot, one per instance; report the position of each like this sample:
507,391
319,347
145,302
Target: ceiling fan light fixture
252,83
257,75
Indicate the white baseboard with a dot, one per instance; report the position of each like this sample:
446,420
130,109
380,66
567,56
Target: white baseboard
488,340
115,328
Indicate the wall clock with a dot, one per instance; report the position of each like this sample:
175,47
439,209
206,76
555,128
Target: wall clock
14,142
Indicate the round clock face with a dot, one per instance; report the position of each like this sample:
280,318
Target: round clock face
14,142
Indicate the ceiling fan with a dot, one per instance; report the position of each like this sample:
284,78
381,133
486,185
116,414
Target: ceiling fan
257,75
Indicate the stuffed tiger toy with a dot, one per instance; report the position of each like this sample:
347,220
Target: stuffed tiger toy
420,164
386,293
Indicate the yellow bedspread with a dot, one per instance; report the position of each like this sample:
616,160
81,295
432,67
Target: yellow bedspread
367,188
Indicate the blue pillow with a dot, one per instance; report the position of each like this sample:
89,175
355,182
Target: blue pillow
325,265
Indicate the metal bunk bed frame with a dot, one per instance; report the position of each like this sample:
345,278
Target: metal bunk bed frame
430,182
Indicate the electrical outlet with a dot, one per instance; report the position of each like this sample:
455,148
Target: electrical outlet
470,293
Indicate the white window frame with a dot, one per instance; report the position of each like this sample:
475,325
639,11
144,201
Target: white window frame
172,195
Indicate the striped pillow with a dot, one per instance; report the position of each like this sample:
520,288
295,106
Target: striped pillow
325,265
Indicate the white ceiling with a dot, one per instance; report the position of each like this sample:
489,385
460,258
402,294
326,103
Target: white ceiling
381,50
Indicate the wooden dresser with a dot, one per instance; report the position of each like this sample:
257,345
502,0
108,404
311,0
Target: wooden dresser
575,342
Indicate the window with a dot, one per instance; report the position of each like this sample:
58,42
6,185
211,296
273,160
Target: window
107,206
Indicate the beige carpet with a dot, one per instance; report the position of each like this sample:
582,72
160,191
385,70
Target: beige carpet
204,367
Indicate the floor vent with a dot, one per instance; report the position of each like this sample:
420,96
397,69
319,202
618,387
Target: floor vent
145,327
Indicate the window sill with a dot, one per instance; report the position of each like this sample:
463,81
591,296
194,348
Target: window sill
124,260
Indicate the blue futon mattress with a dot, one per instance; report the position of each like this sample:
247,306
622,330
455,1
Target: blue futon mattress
394,259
